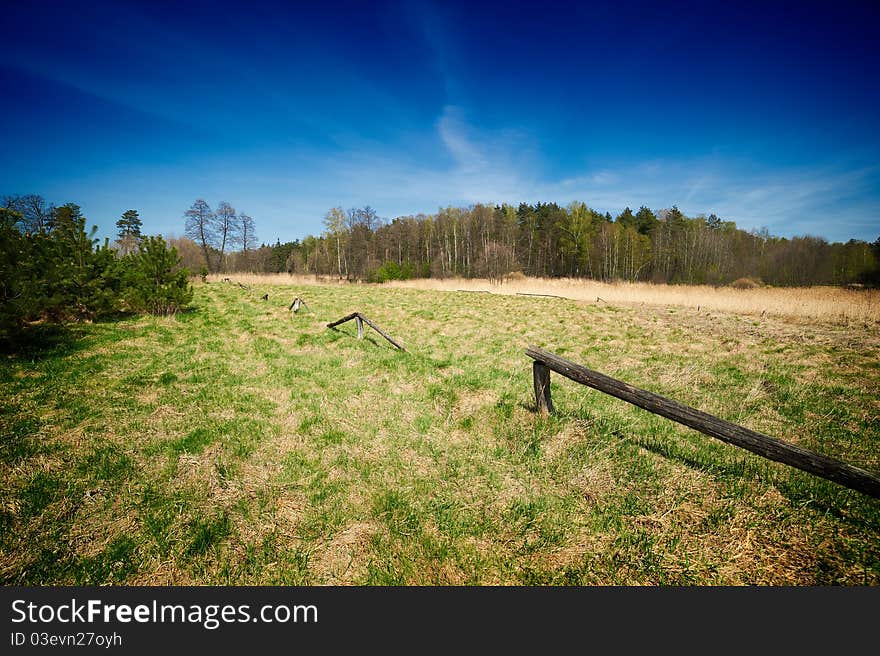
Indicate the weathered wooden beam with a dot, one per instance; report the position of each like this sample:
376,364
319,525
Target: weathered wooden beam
359,322
347,317
381,332
764,445
541,374
361,318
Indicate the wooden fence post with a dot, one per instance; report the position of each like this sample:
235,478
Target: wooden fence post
360,326
297,304
543,402
764,445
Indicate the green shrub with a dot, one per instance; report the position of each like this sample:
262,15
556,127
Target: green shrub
155,282
62,275
59,276
83,281
20,290
391,270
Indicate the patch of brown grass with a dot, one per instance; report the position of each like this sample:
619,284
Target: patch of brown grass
344,559
821,303
746,283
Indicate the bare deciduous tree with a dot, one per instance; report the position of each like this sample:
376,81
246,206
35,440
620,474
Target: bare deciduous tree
248,236
200,227
191,255
228,232
37,214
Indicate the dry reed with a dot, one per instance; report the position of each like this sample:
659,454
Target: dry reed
816,303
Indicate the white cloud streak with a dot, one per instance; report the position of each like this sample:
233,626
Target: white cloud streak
832,201
288,193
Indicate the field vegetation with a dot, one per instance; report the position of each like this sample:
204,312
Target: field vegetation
836,305
239,443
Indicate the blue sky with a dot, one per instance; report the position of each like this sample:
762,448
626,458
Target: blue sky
768,115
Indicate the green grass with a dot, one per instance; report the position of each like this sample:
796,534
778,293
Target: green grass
242,444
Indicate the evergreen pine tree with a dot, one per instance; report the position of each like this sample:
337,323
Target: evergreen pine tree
155,282
129,232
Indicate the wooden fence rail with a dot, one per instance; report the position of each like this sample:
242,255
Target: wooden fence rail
764,445
360,320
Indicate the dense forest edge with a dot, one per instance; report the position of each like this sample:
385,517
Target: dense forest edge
541,240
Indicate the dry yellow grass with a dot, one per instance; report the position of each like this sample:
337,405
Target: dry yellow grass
816,303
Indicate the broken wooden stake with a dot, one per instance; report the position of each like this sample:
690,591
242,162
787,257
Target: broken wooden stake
265,297
361,320
297,304
543,402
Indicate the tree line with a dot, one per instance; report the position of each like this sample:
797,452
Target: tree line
485,241
52,270
548,240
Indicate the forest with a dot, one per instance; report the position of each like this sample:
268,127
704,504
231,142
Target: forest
494,241
547,240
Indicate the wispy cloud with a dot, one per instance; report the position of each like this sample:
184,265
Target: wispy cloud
468,155
506,166
289,191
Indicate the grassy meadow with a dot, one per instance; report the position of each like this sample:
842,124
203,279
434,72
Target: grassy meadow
242,444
